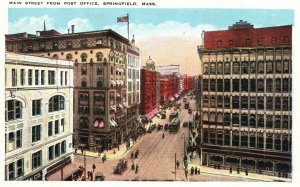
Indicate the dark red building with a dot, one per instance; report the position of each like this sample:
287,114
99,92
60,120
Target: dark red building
188,82
168,88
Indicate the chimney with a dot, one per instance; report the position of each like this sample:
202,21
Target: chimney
72,28
68,31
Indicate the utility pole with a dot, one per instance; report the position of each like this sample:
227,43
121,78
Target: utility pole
175,166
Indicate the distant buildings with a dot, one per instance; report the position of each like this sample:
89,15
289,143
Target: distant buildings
169,70
38,116
100,94
150,90
246,100
169,85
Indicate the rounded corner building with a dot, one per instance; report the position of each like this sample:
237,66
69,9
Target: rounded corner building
246,98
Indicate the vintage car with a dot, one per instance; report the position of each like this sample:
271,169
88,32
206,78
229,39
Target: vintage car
185,124
99,176
159,127
166,127
121,166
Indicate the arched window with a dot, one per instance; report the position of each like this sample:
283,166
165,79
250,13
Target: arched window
235,119
220,68
56,103
260,67
83,57
245,68
205,101
260,121
269,85
220,102
99,83
205,84
269,123
212,85
13,110
83,83
99,57
236,68
269,67
252,120
227,68
227,119
99,70
226,137
212,68
253,67
277,122
69,56
226,102
278,67
83,122
205,69
278,85
285,67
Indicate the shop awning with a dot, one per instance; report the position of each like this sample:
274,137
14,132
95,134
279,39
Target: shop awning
176,95
113,107
120,106
99,124
112,82
125,104
113,123
171,98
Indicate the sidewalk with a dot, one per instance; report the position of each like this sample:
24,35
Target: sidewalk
110,153
222,172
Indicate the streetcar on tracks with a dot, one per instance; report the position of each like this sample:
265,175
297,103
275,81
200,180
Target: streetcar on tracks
174,125
173,115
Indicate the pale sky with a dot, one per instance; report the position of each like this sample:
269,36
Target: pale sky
169,36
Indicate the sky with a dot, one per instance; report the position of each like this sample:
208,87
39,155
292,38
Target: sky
169,36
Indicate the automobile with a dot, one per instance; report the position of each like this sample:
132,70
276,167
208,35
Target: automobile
99,176
149,130
185,124
159,127
190,111
184,99
166,127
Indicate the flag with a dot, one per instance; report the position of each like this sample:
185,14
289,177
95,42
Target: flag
122,19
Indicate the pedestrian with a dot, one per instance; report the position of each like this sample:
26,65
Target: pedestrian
219,166
230,169
88,174
131,155
199,171
246,172
118,147
191,156
192,170
92,177
177,164
132,166
138,151
75,150
215,166
238,170
163,135
81,150
94,167
196,170
103,158
136,168
186,172
260,172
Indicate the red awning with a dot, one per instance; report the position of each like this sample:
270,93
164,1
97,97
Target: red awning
96,124
101,124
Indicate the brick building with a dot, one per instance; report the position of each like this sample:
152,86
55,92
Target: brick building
169,85
99,78
246,100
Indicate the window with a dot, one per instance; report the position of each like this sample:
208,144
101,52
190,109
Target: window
69,56
226,102
50,128
61,78
285,67
235,102
14,140
83,57
205,85
220,138
50,153
260,41
260,121
260,103
248,42
277,122
56,103
277,144
83,70
219,43
253,67
205,101
260,67
13,77
252,85
285,85
99,70
36,78
220,68
13,110
285,104
212,138
220,85
269,143
226,138
269,86
244,102
260,85
235,85
245,68
244,120
269,122
99,57
63,147
278,85
253,103
36,133
277,103
56,127
235,119
244,141
57,150
30,77
252,121
205,136
227,68
286,39
227,85
252,141
16,169
278,67
269,67
66,78
236,68
212,102
42,77
99,84
83,83
36,159
22,77
236,140
51,77
62,124
212,68
220,102
260,142
270,103
244,85
36,107
212,85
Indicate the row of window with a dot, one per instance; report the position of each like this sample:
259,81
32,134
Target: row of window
247,120
133,74
57,150
248,42
245,85
133,87
13,108
133,61
253,67
237,140
245,103
36,77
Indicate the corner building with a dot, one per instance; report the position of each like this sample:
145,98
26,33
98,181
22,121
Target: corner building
99,80
38,116
246,100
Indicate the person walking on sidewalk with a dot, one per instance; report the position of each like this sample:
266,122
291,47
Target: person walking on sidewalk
230,169
186,171
94,167
136,168
177,164
163,135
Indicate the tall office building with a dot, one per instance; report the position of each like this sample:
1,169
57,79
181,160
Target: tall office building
246,99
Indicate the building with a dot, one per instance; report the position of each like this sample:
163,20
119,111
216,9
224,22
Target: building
150,90
38,116
246,100
169,70
168,88
100,120
188,82
133,88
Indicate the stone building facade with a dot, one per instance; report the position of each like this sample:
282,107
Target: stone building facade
246,97
38,116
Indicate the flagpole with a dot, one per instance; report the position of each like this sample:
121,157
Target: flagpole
128,25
